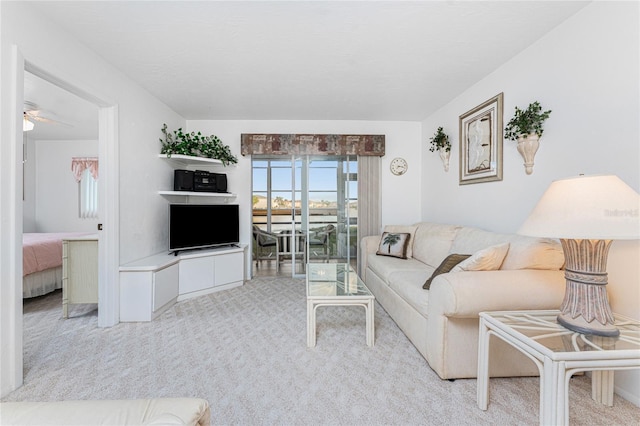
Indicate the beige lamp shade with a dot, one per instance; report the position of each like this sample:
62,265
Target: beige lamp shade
586,207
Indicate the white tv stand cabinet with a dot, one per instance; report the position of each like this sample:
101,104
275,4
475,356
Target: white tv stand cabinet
150,286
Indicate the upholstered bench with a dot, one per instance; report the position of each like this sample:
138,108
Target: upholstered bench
158,411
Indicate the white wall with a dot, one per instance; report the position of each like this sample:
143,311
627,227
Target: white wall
400,194
47,171
56,190
589,79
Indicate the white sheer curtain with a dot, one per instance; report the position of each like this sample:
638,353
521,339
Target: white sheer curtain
369,209
85,171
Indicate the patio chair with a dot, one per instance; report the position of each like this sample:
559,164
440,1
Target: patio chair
320,239
266,246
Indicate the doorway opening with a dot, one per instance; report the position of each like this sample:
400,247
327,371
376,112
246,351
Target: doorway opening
59,129
108,193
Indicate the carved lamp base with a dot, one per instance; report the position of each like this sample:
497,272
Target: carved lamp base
585,307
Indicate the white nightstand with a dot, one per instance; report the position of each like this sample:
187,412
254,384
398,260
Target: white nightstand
79,271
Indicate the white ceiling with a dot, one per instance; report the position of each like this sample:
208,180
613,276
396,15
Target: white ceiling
315,60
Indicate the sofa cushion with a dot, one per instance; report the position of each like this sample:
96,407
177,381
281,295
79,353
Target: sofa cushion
393,244
407,285
534,253
409,229
383,266
471,240
447,265
487,259
524,252
433,241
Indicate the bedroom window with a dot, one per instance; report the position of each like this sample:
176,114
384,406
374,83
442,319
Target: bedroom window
85,171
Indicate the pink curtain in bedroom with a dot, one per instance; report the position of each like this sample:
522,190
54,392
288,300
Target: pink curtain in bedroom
85,171
80,164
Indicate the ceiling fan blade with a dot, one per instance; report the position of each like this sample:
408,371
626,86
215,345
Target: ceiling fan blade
34,115
31,107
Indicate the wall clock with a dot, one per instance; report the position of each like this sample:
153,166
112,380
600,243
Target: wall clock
399,166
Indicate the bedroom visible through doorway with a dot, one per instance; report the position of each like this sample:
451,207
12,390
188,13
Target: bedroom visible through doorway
63,128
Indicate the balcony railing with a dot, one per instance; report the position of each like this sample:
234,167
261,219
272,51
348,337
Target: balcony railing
319,218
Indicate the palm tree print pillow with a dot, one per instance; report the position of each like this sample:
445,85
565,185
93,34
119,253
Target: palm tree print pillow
394,244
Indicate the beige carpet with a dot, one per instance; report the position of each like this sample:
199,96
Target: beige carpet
244,350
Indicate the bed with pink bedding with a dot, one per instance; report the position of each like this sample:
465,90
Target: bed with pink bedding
42,262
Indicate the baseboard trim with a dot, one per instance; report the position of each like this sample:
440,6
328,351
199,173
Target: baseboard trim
209,290
631,397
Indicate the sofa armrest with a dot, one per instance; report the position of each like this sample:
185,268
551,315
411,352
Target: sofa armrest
368,245
466,294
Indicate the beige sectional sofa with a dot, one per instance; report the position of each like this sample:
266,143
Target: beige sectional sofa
154,411
442,322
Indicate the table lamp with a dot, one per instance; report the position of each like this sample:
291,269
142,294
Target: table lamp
586,213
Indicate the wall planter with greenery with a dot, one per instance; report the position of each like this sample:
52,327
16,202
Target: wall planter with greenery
440,142
196,145
526,127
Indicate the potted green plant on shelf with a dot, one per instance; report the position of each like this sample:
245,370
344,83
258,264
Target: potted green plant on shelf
526,127
196,145
440,142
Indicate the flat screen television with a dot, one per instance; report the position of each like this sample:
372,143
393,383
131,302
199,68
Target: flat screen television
193,226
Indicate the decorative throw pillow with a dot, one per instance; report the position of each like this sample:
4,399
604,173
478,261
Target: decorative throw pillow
488,259
393,244
534,253
411,229
447,265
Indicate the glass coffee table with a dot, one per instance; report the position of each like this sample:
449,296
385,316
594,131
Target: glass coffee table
336,284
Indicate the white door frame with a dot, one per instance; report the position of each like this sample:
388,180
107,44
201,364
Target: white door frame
11,361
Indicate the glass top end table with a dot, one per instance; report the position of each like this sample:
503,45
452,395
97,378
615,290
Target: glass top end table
559,353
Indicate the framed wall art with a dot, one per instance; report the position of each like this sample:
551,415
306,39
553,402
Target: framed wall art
481,142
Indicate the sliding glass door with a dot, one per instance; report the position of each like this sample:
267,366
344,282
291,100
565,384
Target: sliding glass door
333,208
279,241
309,206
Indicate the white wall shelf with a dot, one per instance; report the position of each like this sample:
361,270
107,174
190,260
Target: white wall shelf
226,195
183,161
180,160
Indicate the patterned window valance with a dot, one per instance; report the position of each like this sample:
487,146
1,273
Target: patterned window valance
305,144
80,164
